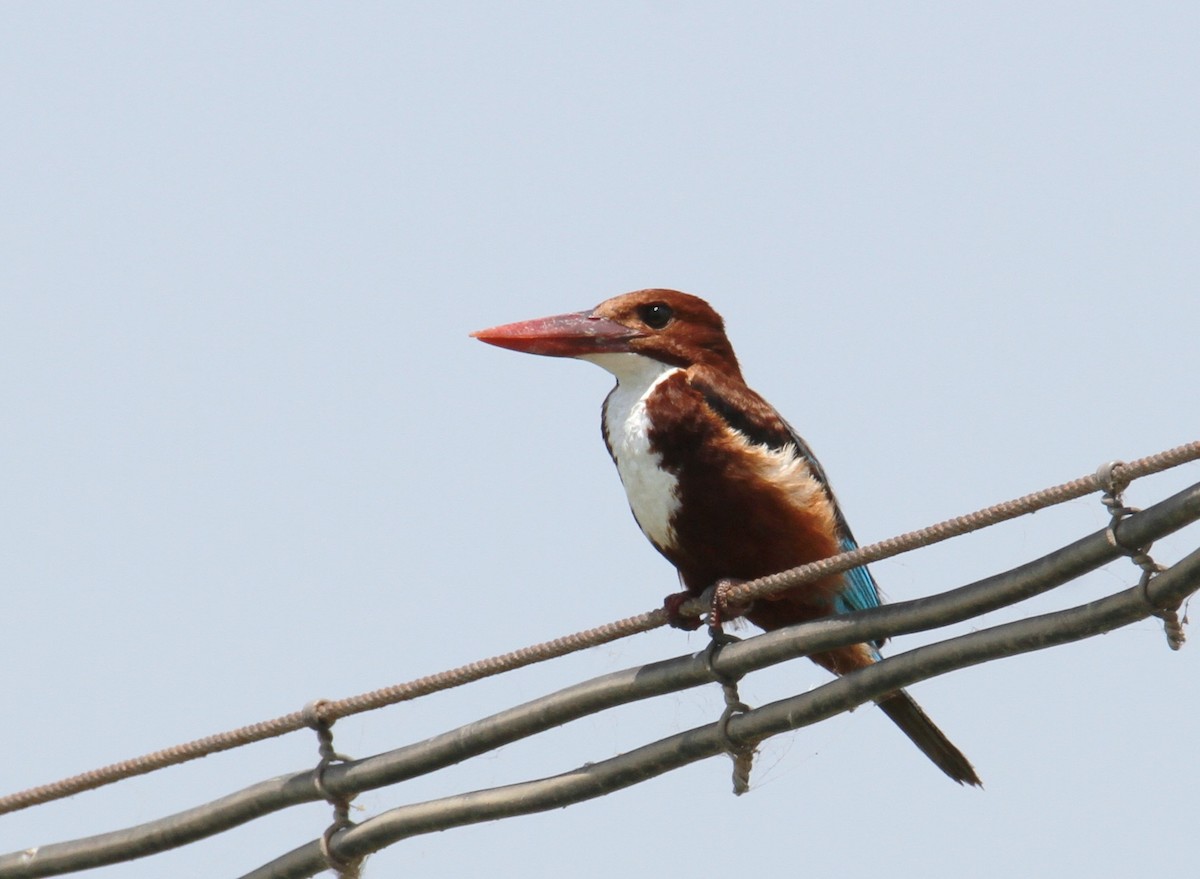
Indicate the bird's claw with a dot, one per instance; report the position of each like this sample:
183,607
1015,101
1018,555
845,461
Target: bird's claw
672,604
720,607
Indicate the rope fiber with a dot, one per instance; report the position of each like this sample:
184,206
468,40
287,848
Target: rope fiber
329,711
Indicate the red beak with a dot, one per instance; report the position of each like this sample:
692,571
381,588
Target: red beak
564,335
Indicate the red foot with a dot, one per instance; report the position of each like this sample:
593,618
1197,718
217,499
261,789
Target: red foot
720,608
672,603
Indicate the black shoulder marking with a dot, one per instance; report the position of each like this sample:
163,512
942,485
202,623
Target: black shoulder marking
752,416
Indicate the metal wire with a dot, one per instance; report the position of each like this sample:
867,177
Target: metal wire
1002,512
643,622
597,779
619,688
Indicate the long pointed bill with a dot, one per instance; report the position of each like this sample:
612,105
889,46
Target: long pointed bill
564,335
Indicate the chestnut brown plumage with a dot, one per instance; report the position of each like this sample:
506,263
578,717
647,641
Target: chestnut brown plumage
718,481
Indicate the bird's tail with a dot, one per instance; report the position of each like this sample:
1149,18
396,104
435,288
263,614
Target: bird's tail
915,723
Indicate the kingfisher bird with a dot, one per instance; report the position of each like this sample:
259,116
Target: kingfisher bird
719,483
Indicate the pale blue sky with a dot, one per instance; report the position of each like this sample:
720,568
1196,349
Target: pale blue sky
250,456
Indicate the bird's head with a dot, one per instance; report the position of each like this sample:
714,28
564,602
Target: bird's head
664,325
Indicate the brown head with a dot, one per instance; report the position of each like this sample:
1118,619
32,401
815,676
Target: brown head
664,325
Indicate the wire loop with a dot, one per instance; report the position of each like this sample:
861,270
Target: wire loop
1108,475
742,755
345,868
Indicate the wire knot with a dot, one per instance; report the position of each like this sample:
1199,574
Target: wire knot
314,717
1108,475
742,755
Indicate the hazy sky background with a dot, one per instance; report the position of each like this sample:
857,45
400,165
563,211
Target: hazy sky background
250,456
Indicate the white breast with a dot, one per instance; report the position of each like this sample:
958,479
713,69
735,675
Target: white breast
652,491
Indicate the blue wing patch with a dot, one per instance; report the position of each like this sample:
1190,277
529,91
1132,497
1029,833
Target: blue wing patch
860,592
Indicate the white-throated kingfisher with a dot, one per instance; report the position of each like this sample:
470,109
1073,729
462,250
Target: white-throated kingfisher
722,486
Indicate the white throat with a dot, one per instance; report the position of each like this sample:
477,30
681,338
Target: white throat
652,491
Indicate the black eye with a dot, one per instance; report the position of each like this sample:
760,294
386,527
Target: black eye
656,315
